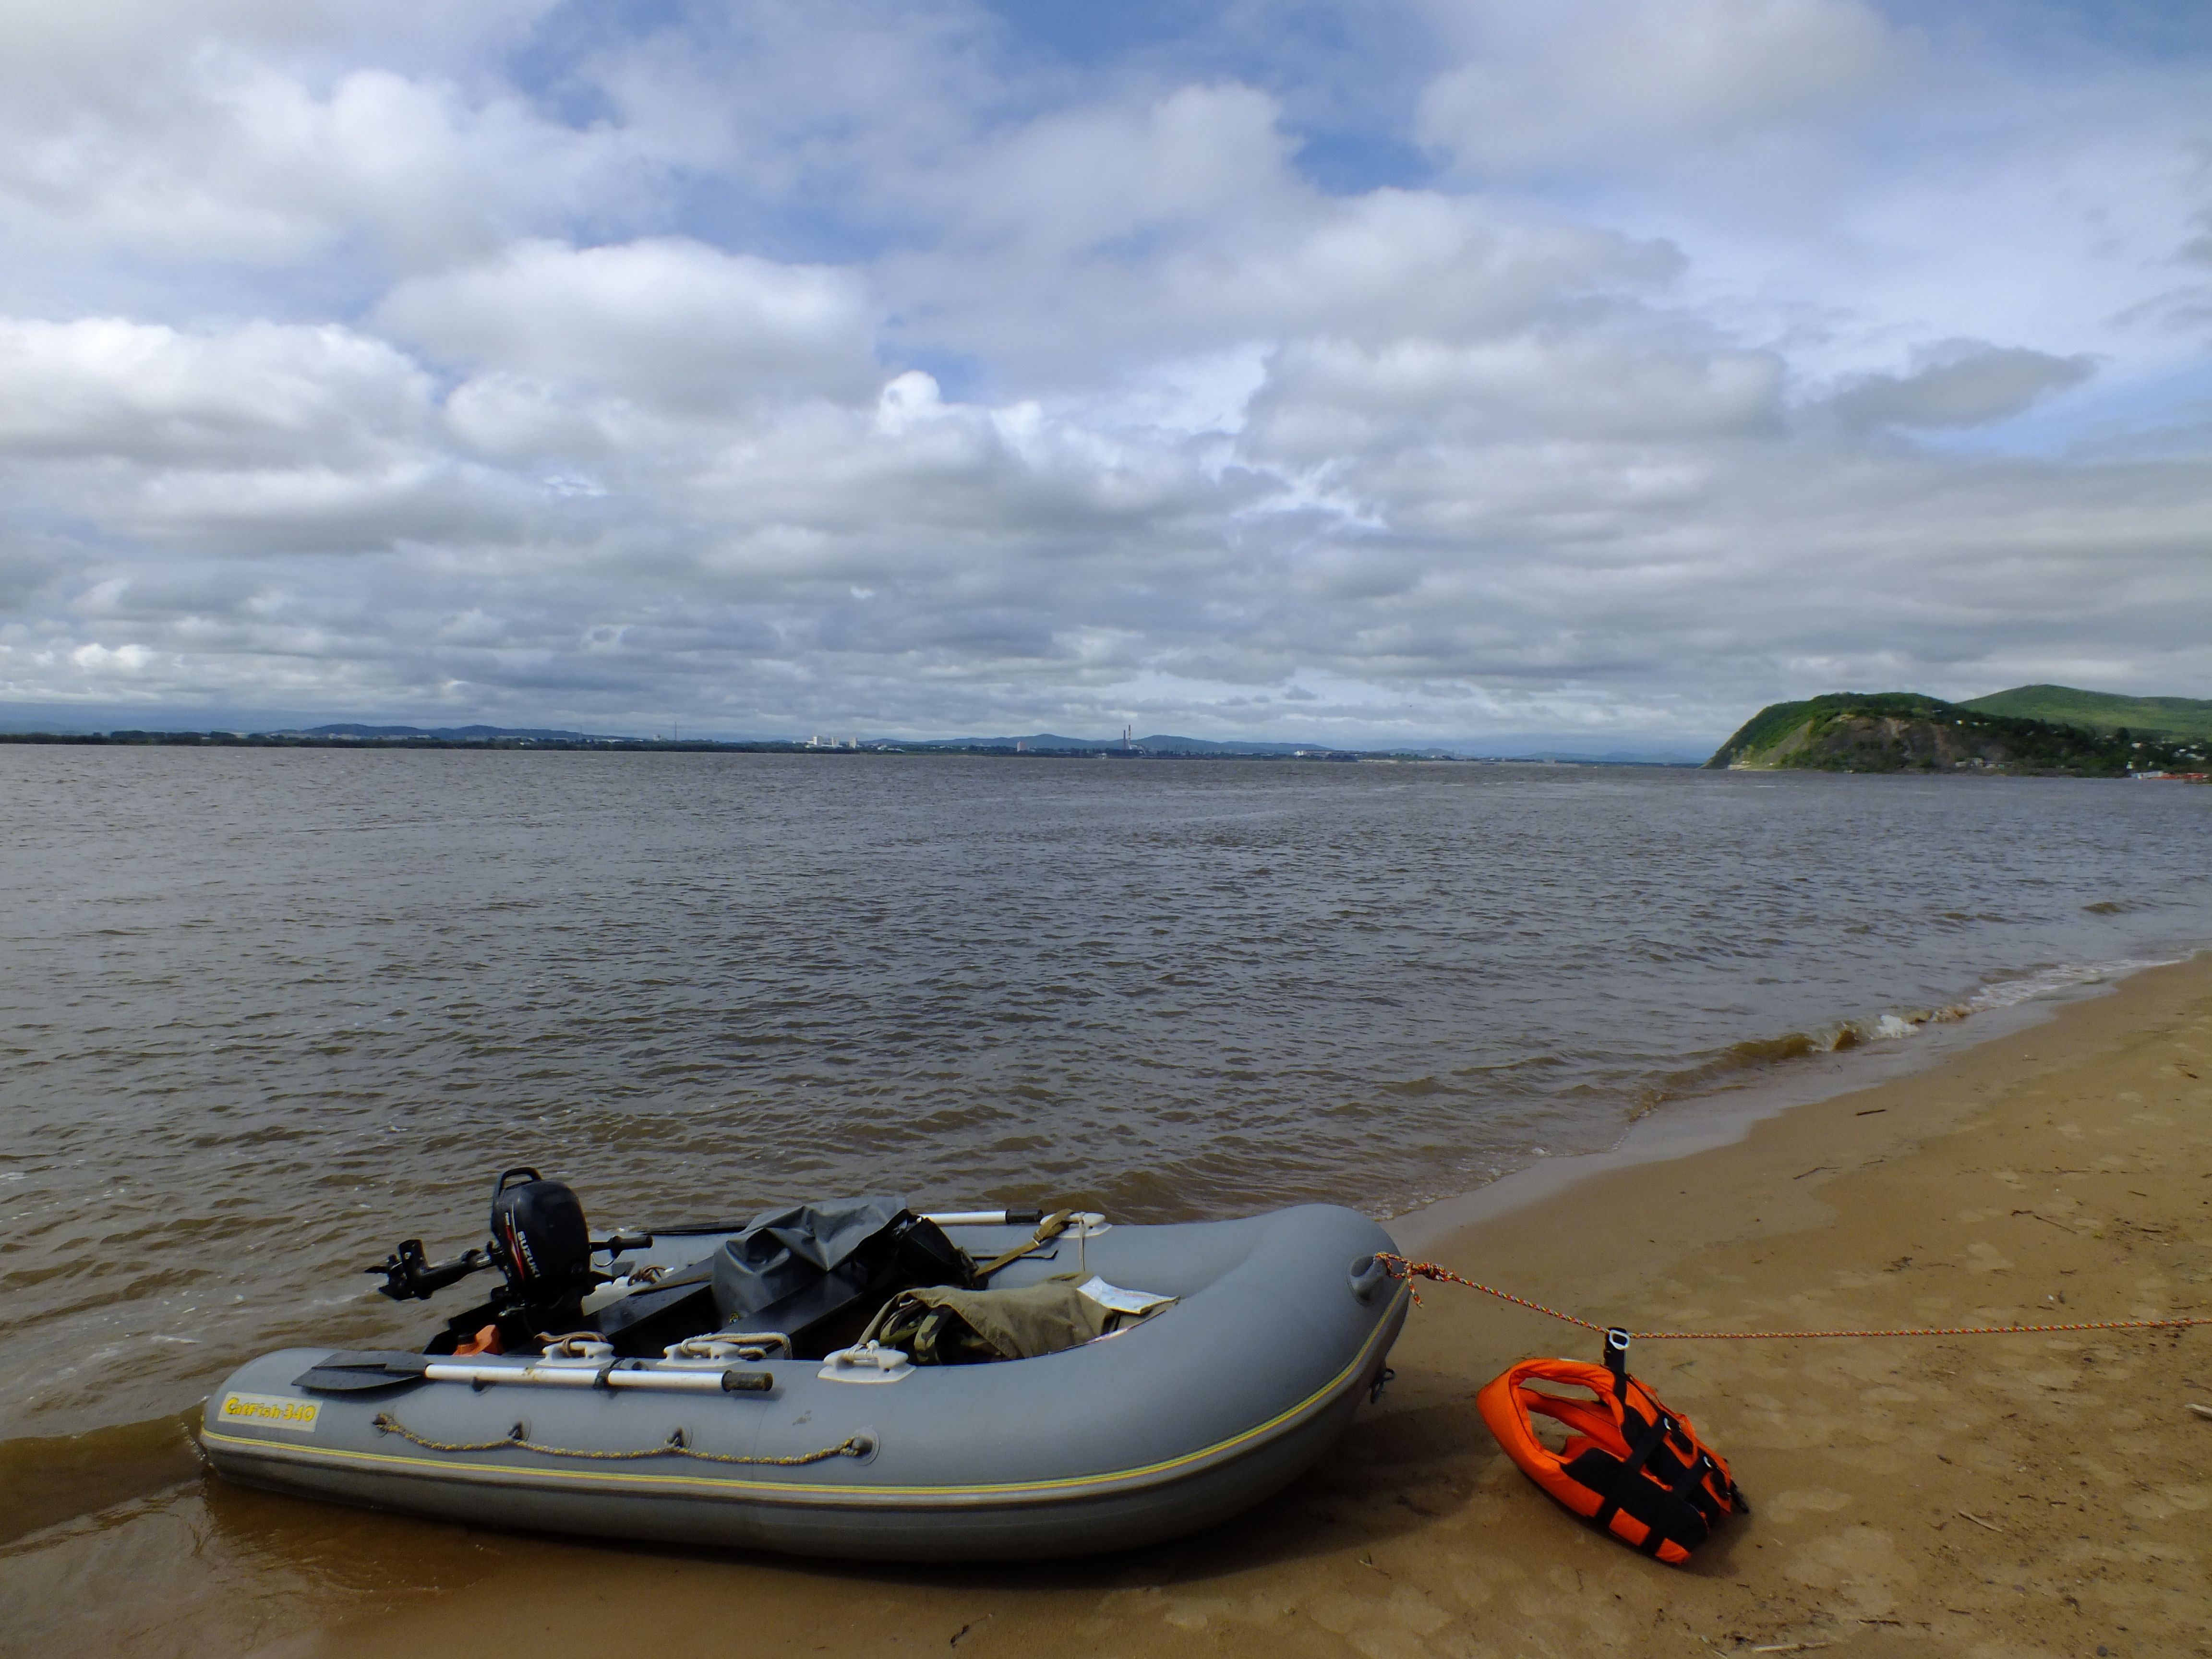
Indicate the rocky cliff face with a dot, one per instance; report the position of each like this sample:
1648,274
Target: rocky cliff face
1905,731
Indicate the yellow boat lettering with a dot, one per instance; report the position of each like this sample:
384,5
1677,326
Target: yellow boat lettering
270,1410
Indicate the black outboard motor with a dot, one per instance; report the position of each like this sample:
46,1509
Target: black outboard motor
540,1244
542,1249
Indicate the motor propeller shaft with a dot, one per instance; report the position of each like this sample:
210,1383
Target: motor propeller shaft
409,1276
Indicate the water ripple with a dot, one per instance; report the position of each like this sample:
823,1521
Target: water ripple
264,1013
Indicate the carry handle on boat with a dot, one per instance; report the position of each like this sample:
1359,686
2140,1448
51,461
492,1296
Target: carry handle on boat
942,1218
984,1217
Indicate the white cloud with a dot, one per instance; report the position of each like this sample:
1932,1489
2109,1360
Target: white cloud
831,365
1960,383
201,153
1581,81
662,321
1087,179
1327,398
108,388
69,57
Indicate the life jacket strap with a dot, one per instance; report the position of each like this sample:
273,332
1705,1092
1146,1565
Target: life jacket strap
1631,1469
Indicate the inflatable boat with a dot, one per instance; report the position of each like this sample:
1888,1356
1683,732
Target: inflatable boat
842,1379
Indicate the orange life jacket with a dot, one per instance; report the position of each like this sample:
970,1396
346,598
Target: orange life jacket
1631,1466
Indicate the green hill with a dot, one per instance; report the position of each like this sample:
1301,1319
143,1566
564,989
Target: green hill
1905,731
2101,711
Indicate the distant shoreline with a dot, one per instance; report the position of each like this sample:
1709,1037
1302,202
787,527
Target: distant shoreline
142,739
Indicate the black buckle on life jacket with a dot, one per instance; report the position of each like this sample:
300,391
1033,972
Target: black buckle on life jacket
1616,1357
1623,1484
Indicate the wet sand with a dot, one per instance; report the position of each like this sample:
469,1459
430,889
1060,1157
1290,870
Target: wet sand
1986,1496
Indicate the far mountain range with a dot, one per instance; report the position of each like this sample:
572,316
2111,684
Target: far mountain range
1042,743
2029,728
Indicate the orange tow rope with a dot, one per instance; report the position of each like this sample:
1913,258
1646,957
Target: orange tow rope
1633,1467
1402,1268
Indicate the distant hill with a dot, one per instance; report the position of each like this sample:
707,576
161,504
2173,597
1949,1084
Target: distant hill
1158,743
453,733
2101,711
1906,732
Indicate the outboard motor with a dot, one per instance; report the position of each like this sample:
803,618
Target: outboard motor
542,1249
540,1244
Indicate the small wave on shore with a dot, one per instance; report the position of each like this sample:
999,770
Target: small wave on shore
1748,1060
53,1479
2058,980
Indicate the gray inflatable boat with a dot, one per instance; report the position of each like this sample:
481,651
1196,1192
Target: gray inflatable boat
1162,1378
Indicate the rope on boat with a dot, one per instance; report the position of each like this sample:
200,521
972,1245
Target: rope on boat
1400,1267
1047,1230
856,1446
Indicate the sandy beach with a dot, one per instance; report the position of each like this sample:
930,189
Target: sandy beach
1987,1496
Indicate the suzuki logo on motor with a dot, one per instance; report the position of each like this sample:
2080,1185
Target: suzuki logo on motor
519,1242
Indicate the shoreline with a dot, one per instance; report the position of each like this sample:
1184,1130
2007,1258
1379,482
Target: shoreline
1998,1495
585,743
1993,1496
1723,1115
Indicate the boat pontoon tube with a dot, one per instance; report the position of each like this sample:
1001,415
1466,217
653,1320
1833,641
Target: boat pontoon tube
1279,1329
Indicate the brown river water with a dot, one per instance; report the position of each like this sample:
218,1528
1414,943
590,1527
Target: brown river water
264,1013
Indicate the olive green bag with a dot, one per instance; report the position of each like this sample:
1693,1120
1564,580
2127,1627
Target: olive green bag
940,1325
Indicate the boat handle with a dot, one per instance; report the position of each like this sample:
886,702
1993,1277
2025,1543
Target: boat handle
609,1376
871,1363
1369,1275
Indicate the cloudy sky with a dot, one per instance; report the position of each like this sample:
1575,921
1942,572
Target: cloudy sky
1404,369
